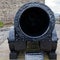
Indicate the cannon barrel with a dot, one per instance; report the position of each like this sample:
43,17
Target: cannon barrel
34,20
33,31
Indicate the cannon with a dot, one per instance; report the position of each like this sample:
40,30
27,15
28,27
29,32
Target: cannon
33,31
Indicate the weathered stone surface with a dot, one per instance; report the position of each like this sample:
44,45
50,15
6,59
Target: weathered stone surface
8,9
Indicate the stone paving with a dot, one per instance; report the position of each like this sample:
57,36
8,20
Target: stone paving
3,34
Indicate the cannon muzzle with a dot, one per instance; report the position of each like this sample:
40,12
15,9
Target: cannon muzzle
34,20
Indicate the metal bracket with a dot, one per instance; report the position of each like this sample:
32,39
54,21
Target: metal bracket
34,56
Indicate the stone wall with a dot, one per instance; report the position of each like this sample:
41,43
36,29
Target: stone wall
8,9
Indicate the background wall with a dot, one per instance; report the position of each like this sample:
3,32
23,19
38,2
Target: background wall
8,9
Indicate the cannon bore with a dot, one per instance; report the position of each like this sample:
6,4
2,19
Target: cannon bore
34,21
